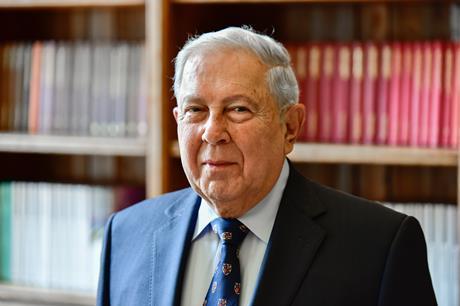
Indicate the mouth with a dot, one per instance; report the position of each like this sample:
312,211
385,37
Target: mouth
218,163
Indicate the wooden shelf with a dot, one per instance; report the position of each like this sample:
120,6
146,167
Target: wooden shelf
291,1
78,145
18,295
68,3
364,154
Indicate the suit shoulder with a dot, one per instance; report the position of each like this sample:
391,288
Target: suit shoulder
350,206
152,211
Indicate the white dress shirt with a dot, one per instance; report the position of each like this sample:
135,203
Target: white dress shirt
203,256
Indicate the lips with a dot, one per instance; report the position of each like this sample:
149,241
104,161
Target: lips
218,163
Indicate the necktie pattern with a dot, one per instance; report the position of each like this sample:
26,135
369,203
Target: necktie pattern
225,288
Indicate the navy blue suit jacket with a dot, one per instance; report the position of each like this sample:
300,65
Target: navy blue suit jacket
327,248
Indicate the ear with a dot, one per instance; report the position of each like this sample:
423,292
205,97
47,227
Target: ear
176,113
293,120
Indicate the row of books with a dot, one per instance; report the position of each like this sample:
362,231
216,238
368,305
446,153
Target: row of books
439,224
74,88
51,234
392,93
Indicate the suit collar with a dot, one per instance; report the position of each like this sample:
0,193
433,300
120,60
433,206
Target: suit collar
293,244
171,244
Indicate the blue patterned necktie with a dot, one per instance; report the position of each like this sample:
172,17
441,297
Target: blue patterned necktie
225,286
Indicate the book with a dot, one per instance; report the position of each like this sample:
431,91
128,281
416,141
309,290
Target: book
327,60
446,94
382,93
47,98
5,231
434,110
455,106
394,91
81,89
421,124
312,92
34,98
24,108
414,106
355,105
405,94
299,55
340,92
370,66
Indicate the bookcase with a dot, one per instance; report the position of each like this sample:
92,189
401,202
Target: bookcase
380,172
97,61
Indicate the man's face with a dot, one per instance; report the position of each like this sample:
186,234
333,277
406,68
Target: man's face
231,138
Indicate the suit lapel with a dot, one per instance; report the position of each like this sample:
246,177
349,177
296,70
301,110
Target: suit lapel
171,244
293,244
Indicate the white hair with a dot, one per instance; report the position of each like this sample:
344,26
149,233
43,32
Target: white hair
281,80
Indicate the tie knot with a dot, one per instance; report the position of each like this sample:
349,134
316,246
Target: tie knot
230,231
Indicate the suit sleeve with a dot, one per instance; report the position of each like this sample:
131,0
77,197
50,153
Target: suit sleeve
103,289
406,279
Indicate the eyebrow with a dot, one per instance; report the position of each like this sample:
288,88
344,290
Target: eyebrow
191,98
239,97
194,98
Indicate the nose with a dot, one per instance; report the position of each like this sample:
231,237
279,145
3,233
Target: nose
215,130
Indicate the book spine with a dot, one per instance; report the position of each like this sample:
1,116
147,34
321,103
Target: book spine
435,97
414,108
34,101
5,231
369,84
394,95
425,88
299,62
455,99
312,92
382,88
446,94
405,94
355,104
340,93
325,93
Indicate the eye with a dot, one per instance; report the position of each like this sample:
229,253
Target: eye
193,113
193,109
239,113
240,109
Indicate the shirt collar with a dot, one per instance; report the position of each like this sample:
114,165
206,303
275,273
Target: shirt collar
259,219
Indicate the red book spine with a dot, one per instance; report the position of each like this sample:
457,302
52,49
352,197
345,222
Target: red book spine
312,92
383,84
293,52
369,84
325,93
301,68
405,90
340,88
34,99
414,107
446,94
393,94
425,88
355,105
435,96
454,127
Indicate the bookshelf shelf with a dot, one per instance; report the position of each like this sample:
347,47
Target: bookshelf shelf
367,154
19,295
361,154
78,145
68,3
289,1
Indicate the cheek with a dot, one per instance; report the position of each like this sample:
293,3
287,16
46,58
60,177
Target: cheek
190,142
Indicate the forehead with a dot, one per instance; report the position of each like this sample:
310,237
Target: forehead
215,72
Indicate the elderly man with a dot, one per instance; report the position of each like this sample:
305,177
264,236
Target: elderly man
251,230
